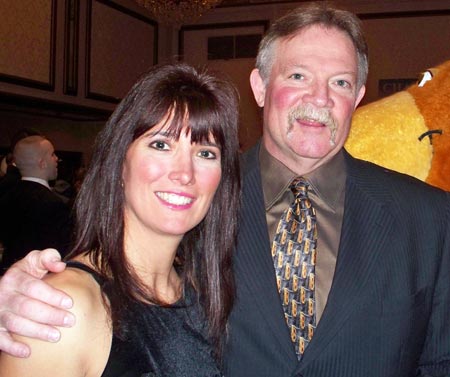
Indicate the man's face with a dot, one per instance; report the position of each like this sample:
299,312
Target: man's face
309,98
49,160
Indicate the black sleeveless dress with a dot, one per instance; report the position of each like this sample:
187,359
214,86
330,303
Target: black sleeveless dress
160,341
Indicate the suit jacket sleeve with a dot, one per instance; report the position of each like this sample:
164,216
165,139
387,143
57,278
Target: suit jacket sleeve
435,359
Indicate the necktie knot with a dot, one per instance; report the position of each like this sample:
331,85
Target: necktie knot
299,186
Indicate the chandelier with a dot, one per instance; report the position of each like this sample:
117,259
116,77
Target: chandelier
177,12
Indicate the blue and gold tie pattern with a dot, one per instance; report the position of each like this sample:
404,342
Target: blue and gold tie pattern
294,255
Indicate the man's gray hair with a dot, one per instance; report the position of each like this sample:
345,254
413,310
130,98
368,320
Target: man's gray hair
303,17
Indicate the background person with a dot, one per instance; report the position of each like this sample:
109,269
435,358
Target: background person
31,214
12,174
382,297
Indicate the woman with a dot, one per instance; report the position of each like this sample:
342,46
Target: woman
150,273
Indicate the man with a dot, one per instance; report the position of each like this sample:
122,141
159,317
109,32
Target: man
381,298
32,215
12,174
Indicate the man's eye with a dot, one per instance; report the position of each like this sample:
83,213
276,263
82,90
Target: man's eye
207,154
297,76
343,83
160,145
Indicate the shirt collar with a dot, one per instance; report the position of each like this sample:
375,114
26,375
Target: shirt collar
37,180
327,182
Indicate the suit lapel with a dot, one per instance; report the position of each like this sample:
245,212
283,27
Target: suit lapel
366,227
254,264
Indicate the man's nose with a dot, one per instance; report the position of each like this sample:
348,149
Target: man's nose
318,95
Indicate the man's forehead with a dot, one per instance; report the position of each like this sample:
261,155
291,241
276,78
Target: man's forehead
329,43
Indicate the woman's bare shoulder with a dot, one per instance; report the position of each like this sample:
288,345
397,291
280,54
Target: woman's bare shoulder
83,349
80,285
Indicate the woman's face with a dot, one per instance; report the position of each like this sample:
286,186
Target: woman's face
168,184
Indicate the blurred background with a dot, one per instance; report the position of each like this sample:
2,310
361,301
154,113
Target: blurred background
65,64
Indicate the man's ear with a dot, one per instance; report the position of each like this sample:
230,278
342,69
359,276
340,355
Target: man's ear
42,163
258,87
360,95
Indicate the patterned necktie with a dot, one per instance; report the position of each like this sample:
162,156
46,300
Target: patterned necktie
294,255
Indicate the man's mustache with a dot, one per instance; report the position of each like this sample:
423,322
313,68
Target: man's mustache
311,113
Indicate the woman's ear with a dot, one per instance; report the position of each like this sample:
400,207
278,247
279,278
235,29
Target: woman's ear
258,87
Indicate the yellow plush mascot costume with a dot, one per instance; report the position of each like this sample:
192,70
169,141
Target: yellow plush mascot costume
408,131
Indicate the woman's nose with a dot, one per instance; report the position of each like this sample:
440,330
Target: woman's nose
183,171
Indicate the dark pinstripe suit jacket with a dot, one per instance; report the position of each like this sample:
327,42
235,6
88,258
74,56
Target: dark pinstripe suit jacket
388,311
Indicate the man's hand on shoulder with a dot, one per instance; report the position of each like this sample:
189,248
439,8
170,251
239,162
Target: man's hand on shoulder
29,306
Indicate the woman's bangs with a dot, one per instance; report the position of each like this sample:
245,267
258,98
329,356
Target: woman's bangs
205,126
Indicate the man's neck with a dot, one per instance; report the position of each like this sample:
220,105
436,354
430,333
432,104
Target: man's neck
299,165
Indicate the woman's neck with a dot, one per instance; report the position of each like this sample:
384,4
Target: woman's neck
153,261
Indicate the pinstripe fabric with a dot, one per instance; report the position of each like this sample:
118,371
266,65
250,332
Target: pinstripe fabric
391,283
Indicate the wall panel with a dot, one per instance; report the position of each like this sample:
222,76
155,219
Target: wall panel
27,34
119,49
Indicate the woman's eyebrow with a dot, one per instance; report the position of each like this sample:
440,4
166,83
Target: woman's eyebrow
209,143
157,132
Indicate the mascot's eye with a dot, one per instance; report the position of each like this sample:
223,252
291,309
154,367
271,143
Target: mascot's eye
430,134
424,77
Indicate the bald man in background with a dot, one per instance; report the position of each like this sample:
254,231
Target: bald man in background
32,216
12,174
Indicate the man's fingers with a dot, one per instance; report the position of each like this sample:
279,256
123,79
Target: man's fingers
39,263
26,302
27,285
50,260
14,348
39,290
33,310
29,328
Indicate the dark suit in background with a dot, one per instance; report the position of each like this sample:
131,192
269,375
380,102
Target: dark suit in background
388,311
9,180
32,217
